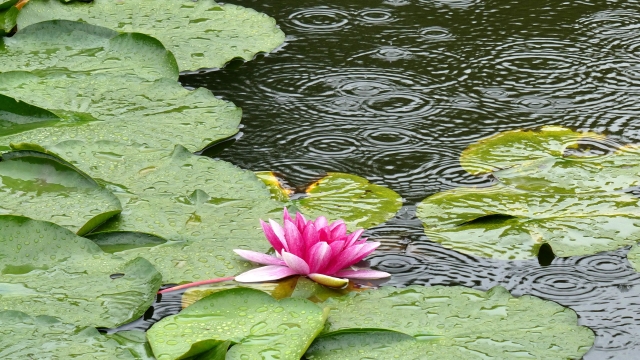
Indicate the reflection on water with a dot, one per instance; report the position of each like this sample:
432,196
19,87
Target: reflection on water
394,90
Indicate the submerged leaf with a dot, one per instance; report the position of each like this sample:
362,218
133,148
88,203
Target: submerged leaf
44,337
449,323
46,269
253,322
43,188
201,34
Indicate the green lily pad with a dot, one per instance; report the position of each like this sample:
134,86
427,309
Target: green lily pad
48,270
5,4
135,341
506,223
68,46
511,148
257,326
634,257
575,175
200,34
117,241
205,208
341,196
44,337
8,20
130,110
17,116
45,189
449,323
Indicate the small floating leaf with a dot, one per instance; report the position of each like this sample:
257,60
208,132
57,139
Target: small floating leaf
449,323
510,148
8,19
40,187
341,196
44,337
201,34
116,241
252,321
47,269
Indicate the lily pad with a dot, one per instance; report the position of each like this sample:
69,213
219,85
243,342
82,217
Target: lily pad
205,208
135,341
45,189
616,171
117,241
255,324
449,323
48,270
17,116
126,109
44,337
69,46
511,148
8,19
341,196
201,34
506,223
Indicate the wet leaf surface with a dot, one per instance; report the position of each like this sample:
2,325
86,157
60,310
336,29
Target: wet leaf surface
448,323
505,223
254,323
48,270
43,188
44,337
200,34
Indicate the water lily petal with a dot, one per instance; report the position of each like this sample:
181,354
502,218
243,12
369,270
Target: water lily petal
328,280
295,242
265,273
279,232
320,222
362,274
271,236
295,263
319,257
338,230
259,258
310,236
354,236
301,222
350,256
336,223
286,216
324,234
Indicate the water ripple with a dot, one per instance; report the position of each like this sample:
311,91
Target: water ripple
320,19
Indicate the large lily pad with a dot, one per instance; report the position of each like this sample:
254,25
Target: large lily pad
42,188
201,34
255,324
44,337
340,196
126,109
449,323
69,46
506,223
204,207
48,270
17,116
511,148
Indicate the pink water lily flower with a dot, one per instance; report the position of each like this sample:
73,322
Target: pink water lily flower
321,251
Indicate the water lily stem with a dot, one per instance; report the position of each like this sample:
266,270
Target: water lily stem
194,284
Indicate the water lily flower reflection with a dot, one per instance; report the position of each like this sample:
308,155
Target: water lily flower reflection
321,251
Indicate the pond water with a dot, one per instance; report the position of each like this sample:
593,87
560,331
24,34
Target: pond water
394,90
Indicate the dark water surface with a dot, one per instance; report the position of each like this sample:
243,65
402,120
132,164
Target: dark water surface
394,90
